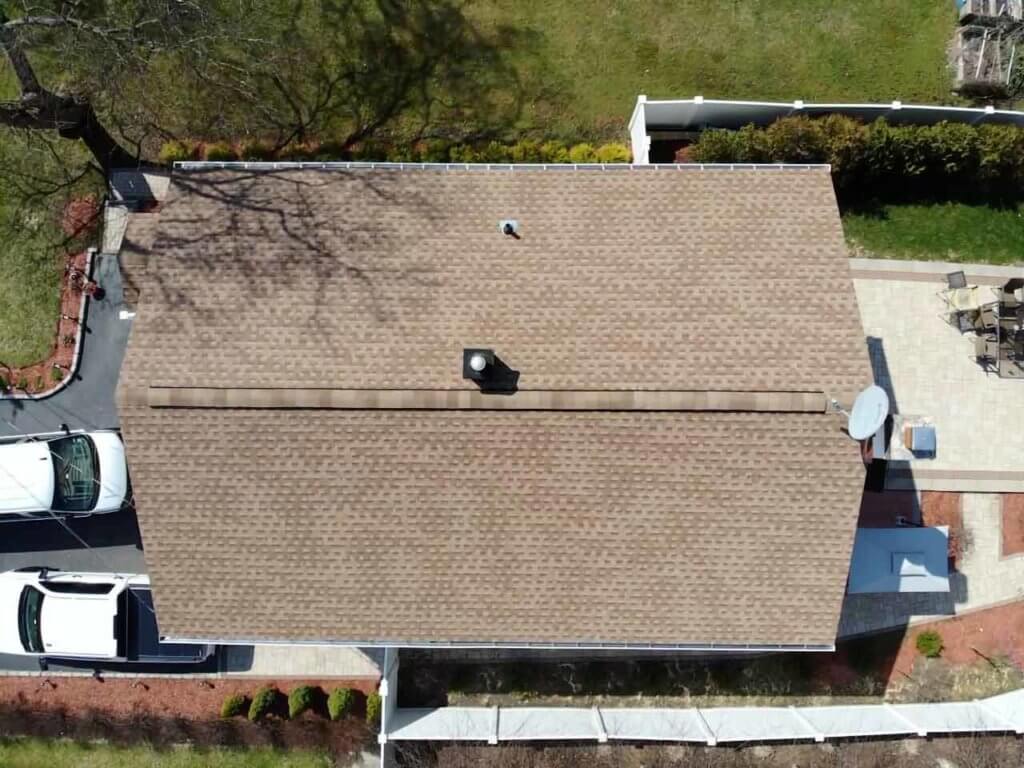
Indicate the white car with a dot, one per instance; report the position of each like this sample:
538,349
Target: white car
90,616
74,474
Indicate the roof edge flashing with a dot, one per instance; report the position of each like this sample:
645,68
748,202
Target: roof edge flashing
299,165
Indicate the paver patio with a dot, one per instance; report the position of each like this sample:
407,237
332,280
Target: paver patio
929,370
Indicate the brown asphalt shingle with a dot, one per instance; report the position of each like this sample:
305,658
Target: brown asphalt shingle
497,526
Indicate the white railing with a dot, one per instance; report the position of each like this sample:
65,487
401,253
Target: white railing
726,725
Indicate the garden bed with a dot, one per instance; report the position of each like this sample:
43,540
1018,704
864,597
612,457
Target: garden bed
164,712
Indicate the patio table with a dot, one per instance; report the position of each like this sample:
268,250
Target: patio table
964,299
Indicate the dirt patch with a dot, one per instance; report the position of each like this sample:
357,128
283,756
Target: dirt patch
47,373
1013,524
963,751
163,712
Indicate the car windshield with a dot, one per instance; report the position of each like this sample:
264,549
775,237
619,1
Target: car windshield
76,474
30,608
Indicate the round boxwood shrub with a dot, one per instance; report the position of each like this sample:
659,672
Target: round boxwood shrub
300,699
174,151
613,153
233,705
340,702
582,153
929,643
262,702
373,705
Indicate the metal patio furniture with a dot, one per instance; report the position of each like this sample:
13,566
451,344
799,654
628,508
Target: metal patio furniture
986,352
956,280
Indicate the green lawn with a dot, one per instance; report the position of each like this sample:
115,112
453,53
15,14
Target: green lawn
35,753
947,232
29,285
583,62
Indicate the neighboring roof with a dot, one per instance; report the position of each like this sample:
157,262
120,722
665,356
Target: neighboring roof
354,514
900,560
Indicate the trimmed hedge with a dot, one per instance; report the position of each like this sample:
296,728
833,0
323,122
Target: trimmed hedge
340,702
262,702
929,643
373,706
300,699
233,706
882,160
430,151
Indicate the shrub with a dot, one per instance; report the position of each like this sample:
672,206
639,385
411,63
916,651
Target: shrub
613,153
883,161
176,150
526,151
253,149
795,140
40,384
57,374
22,383
373,705
554,152
233,705
340,702
929,643
298,152
262,702
300,699
716,145
463,153
434,151
582,153
219,150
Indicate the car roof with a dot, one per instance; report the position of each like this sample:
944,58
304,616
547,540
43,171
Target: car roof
26,477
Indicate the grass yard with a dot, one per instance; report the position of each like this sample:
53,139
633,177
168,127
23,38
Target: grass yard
36,753
583,62
946,232
30,274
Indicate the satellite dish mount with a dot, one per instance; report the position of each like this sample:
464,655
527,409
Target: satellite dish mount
869,412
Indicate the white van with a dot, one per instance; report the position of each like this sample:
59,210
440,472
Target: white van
76,474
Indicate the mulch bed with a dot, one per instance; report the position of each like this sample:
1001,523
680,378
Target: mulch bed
993,633
41,376
1013,524
162,712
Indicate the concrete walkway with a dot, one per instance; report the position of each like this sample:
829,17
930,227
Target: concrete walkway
305,661
985,579
87,402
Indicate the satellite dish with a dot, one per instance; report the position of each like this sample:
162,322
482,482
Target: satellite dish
869,412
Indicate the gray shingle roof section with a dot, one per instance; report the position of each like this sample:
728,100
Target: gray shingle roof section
714,280
493,526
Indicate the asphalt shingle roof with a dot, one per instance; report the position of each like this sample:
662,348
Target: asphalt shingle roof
680,527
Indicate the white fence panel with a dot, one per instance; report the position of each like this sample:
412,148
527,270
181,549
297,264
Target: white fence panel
547,724
654,725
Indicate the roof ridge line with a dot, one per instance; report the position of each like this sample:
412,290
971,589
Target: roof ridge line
466,399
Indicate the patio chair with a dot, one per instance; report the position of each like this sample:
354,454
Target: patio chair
1014,284
956,280
986,352
988,318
